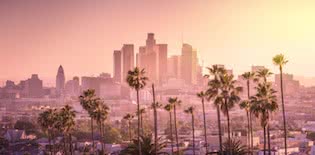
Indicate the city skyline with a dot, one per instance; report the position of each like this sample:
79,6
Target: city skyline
256,31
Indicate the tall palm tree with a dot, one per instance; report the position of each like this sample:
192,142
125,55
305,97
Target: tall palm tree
175,102
89,101
47,121
264,103
67,116
202,95
190,110
100,115
137,80
280,60
249,76
213,92
155,105
229,96
129,118
169,108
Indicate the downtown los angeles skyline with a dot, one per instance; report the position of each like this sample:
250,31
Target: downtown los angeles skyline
38,37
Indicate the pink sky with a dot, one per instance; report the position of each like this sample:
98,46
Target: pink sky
37,36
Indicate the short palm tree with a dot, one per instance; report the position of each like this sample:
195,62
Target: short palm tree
175,102
213,93
169,108
190,110
129,118
47,121
234,146
67,116
89,101
248,76
280,60
137,80
264,103
202,95
263,74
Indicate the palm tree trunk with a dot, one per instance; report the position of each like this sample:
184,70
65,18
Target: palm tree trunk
138,108
92,134
204,124
155,121
264,140
171,128
248,131
129,130
283,113
229,129
251,133
141,120
176,134
101,140
193,132
70,142
49,141
268,133
219,128
64,144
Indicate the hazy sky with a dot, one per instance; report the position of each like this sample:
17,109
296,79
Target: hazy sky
36,36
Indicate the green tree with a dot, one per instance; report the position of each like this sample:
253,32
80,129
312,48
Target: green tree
89,101
280,60
175,102
202,95
136,79
190,110
169,108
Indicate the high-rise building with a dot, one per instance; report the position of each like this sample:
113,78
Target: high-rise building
117,66
290,86
189,64
32,88
60,81
127,59
173,67
162,62
72,87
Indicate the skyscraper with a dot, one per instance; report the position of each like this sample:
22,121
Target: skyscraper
189,64
162,62
127,59
173,67
117,66
60,81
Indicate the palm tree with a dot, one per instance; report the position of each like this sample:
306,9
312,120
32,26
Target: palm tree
264,103
264,74
67,116
47,121
140,114
129,118
169,108
248,76
148,146
89,101
234,146
155,105
280,60
202,96
190,110
100,115
175,102
136,79
213,92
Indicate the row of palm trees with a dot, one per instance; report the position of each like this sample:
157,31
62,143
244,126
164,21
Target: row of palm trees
53,121
225,94
98,111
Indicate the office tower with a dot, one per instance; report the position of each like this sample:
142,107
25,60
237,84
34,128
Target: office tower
257,68
32,88
174,67
162,62
60,81
290,86
150,42
117,66
72,87
127,59
189,64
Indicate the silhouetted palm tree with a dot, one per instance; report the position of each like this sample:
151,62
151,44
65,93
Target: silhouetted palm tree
280,61
169,108
47,121
155,105
129,118
136,79
213,92
248,76
234,146
67,122
100,115
190,110
140,114
89,101
202,96
264,103
175,102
